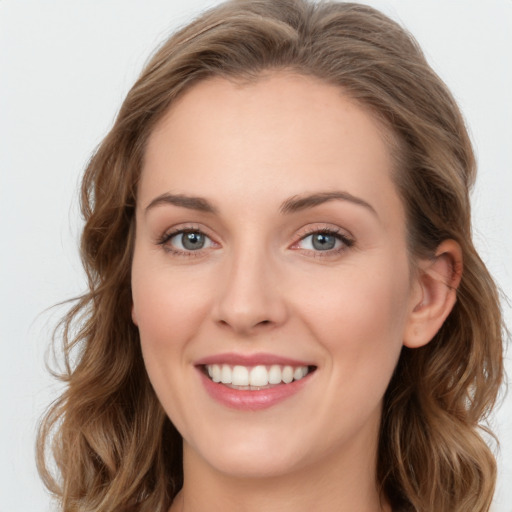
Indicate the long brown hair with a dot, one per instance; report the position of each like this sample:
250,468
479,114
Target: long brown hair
114,447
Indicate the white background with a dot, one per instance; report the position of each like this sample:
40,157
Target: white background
65,66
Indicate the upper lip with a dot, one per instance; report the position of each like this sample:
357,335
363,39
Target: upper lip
250,360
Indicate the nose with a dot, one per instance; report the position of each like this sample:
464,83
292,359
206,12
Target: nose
250,296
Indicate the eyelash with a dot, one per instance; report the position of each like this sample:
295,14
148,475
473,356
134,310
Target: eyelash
164,239
346,241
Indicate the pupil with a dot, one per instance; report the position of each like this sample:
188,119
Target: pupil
324,242
192,241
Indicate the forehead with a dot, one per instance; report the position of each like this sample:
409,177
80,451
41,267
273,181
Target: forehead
283,134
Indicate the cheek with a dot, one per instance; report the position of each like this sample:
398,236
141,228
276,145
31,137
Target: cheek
359,317
167,308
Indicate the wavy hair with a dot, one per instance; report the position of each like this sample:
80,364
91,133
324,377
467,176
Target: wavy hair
113,446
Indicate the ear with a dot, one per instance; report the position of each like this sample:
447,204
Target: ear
434,295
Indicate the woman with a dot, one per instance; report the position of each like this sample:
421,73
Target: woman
286,309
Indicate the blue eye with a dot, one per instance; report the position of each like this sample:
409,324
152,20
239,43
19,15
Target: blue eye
191,241
186,241
324,241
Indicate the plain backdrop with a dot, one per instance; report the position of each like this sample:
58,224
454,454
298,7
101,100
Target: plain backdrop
65,66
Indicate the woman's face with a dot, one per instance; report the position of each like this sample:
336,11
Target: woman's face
271,246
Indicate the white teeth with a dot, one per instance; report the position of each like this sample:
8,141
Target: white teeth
298,373
275,374
258,376
240,376
215,372
226,374
287,374
255,376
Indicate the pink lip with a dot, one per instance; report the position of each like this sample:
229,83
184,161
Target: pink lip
245,400
250,360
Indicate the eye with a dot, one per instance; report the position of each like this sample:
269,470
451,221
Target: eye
186,241
320,242
191,241
324,240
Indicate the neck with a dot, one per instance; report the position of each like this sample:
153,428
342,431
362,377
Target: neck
331,486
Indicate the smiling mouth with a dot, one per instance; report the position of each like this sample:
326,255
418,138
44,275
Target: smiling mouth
254,378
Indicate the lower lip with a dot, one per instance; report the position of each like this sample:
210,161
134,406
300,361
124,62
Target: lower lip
252,400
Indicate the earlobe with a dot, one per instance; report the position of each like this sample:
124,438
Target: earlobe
436,293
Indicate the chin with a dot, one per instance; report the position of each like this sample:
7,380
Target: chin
266,466
251,458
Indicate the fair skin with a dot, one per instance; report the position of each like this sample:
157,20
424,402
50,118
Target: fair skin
323,285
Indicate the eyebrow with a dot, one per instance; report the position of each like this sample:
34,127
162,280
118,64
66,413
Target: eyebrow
192,203
291,205
298,203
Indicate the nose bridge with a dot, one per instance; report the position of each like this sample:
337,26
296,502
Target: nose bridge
250,296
